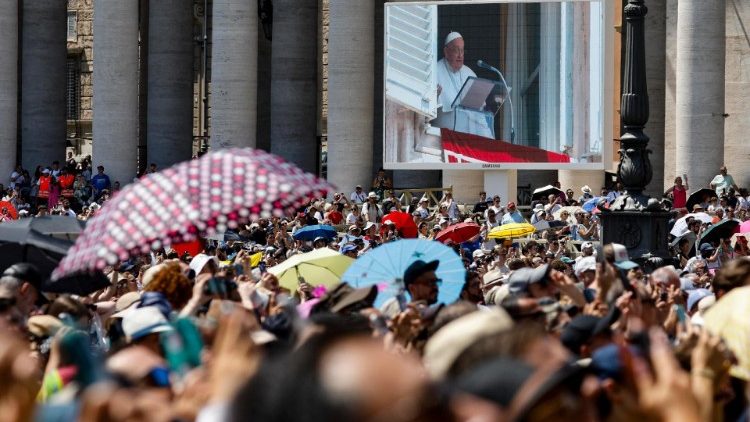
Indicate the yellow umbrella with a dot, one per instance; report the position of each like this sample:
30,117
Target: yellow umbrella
729,318
255,259
320,267
511,230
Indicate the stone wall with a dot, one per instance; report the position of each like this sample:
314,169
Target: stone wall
83,48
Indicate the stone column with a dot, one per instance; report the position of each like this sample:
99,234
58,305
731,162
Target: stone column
351,73
737,125
170,82
656,33
116,88
294,89
43,57
700,90
8,87
234,73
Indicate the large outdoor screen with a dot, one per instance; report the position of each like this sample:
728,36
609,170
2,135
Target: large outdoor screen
496,85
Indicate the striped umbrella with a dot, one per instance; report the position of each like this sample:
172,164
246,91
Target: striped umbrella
221,190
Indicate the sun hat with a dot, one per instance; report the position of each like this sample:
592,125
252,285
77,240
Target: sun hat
144,321
449,342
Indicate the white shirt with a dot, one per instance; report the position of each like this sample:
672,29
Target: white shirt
351,219
13,177
451,82
722,183
358,198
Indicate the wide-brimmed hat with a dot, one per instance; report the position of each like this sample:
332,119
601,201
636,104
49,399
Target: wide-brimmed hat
586,189
372,195
144,321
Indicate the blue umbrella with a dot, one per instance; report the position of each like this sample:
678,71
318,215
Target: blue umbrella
312,232
384,266
589,205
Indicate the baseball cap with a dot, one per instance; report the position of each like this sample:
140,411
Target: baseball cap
581,329
418,268
622,259
511,205
585,264
522,278
478,253
707,247
200,261
567,260
587,245
25,272
144,321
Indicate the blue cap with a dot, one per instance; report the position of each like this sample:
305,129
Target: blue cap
696,296
706,247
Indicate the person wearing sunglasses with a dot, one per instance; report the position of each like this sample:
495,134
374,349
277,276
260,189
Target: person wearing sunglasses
421,281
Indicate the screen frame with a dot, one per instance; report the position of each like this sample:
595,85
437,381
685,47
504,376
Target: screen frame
608,159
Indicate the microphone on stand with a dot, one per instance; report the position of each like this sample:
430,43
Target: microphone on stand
484,65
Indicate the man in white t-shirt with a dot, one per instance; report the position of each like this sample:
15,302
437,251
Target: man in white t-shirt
722,182
371,211
358,196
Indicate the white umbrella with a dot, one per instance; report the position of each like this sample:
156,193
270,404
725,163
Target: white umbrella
680,226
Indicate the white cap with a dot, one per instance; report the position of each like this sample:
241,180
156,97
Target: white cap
200,261
585,264
452,36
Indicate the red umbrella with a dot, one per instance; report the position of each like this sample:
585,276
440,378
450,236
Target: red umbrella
11,210
404,224
458,233
221,190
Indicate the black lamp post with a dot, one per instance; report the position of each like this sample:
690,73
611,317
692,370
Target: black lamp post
634,219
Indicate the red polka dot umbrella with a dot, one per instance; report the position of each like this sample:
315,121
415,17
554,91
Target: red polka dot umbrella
221,190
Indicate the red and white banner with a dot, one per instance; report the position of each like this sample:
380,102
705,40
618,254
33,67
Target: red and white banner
466,148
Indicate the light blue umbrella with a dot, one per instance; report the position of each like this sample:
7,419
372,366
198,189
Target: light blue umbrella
384,266
312,232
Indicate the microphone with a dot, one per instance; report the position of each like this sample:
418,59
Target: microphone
484,65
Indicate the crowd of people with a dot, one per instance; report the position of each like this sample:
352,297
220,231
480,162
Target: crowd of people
549,327
73,189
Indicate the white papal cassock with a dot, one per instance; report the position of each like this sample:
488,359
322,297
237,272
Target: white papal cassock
465,121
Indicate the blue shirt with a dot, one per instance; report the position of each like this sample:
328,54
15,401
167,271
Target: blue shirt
100,182
513,217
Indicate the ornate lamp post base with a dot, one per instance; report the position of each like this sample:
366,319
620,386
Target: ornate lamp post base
634,219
